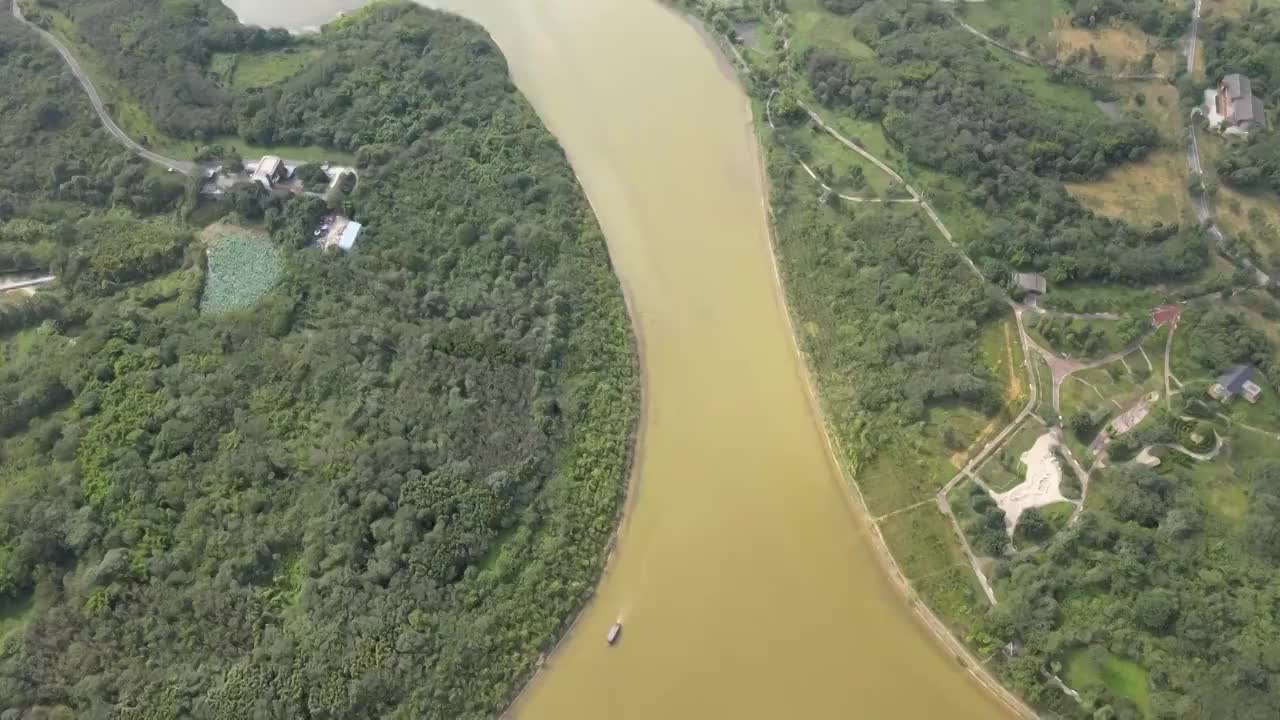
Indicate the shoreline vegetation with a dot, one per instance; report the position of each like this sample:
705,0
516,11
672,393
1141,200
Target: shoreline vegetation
358,437
861,514
897,77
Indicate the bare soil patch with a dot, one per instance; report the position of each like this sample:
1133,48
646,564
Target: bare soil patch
1041,487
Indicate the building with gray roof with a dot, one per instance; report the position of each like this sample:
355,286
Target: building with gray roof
1235,109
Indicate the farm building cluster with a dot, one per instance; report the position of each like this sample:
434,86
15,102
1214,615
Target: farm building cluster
1233,108
273,173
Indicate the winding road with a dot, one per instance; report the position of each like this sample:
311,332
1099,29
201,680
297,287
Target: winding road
185,167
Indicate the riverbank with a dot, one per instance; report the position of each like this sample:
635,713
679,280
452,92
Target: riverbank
634,463
860,510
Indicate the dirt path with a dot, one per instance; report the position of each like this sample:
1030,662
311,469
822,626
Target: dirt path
1150,367
1168,350
1012,390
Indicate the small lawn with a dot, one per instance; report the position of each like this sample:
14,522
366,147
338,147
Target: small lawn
1085,667
1058,514
847,172
1024,19
1076,397
1044,401
815,26
256,70
926,547
1005,469
1003,355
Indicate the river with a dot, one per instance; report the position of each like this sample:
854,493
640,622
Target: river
748,587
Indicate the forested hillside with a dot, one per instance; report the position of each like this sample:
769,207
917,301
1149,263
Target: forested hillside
383,490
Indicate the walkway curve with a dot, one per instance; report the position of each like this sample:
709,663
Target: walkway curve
827,189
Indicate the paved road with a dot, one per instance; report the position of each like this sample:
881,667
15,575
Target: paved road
183,166
1193,38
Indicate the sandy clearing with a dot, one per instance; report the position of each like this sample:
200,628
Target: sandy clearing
1041,487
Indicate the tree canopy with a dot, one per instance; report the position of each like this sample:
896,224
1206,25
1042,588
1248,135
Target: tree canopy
381,491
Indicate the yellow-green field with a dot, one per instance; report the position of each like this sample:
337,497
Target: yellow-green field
1122,46
1142,193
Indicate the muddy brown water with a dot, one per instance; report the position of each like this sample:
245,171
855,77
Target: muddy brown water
747,585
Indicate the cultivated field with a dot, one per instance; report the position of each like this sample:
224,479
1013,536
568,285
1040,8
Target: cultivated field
243,265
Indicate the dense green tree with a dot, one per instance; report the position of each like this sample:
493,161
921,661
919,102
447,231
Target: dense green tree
383,490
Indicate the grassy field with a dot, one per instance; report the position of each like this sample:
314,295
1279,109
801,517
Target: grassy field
1069,99
1122,47
1151,191
901,475
817,27
1025,19
255,70
1085,668
1221,482
1254,219
1158,103
1077,397
926,548
1002,352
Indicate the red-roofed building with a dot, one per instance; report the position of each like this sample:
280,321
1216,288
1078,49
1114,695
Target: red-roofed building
1165,314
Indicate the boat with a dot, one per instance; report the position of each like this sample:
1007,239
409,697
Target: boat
614,633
